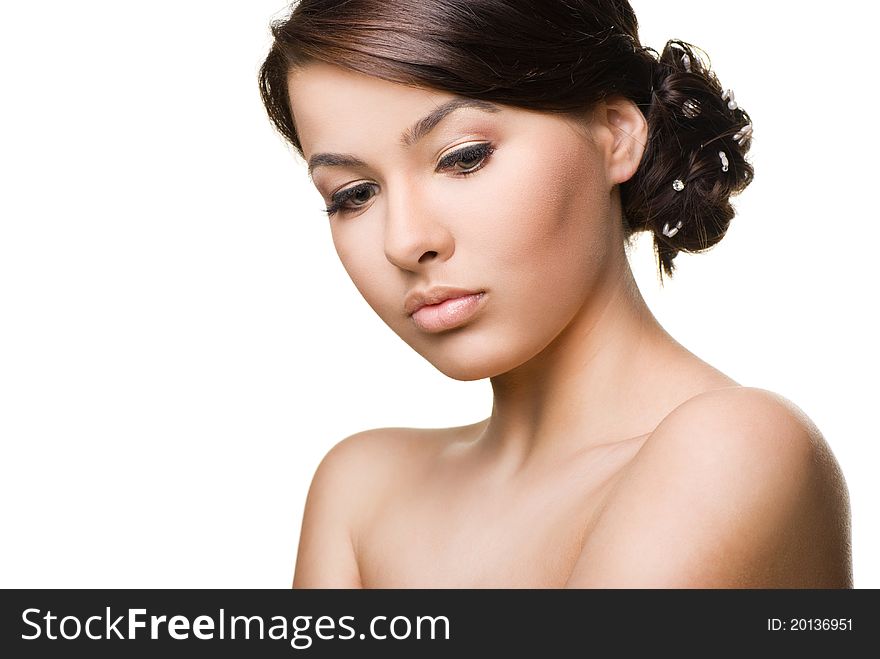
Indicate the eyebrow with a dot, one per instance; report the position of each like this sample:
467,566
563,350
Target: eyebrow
410,136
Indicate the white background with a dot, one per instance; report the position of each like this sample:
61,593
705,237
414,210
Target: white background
179,344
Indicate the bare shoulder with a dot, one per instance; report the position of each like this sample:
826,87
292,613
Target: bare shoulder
736,487
368,459
351,476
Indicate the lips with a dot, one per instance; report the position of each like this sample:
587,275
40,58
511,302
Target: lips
436,295
449,313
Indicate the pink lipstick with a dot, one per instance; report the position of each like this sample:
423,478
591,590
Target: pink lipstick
449,313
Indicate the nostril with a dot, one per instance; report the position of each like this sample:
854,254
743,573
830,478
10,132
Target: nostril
429,255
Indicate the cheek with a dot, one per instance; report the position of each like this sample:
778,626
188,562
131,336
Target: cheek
549,224
550,243
364,261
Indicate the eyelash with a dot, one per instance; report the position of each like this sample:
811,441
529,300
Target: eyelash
481,151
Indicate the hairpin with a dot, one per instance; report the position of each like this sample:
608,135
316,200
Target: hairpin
728,96
678,185
724,163
686,61
744,133
690,108
671,232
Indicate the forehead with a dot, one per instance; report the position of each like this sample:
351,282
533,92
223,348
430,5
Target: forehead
331,103
340,111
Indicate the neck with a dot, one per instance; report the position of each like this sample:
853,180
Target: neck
605,378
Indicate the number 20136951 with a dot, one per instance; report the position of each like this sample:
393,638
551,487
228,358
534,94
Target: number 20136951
809,624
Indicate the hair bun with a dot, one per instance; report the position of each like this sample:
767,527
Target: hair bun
692,121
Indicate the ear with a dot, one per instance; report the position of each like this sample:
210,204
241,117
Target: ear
622,132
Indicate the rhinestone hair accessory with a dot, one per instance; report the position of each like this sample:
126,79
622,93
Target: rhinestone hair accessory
744,133
728,96
678,186
690,108
724,163
686,62
671,232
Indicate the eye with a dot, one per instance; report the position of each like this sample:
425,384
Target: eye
476,154
473,157
339,199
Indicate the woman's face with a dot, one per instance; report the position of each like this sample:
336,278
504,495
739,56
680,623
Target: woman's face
525,220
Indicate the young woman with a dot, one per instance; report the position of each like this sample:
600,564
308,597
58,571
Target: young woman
484,163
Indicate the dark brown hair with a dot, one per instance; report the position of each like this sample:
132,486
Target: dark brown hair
559,56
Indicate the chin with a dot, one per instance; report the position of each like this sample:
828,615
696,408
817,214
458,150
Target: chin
464,372
469,358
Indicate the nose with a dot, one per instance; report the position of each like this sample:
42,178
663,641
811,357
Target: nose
415,234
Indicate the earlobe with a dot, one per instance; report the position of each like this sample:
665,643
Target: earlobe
630,130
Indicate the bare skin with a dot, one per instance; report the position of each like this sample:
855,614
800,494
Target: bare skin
613,456
418,508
